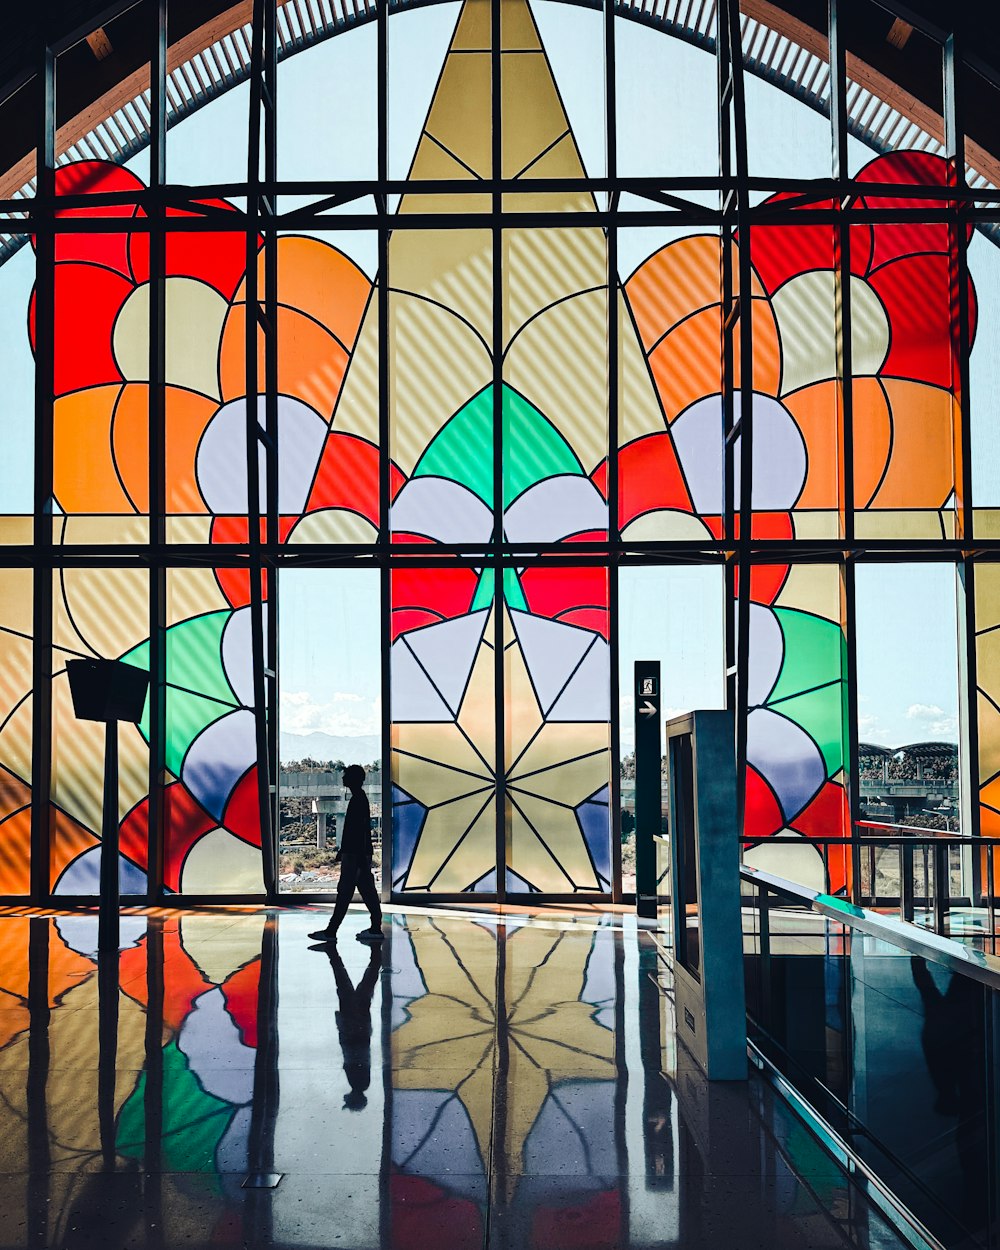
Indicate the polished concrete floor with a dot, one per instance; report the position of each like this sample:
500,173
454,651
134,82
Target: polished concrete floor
478,1080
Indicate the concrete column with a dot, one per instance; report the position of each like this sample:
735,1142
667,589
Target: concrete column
320,830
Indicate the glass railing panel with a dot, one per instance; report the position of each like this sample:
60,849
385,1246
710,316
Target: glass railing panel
918,1088
890,1033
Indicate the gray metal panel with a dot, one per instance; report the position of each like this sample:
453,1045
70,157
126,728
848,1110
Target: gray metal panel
711,1011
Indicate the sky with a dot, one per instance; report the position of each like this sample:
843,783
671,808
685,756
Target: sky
906,626
906,618
330,652
330,670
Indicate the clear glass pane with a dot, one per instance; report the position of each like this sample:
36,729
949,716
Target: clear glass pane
908,692
676,616
330,717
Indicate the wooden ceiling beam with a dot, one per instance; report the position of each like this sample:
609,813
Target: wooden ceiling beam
99,43
899,33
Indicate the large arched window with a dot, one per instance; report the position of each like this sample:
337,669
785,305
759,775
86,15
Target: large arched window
559,324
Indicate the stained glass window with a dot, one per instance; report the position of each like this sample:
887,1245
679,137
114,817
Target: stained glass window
589,324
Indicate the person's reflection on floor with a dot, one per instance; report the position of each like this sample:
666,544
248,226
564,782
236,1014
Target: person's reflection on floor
354,1024
953,1042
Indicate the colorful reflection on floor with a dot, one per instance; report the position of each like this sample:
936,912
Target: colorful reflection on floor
476,1081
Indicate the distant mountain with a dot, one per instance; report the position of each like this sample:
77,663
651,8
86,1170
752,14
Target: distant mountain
364,749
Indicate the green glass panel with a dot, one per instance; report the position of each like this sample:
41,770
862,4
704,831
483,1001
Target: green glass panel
187,715
815,653
533,449
194,663
820,713
138,657
194,1122
512,591
462,451
194,656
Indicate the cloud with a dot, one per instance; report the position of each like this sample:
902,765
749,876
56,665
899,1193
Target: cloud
933,720
920,711
301,714
871,729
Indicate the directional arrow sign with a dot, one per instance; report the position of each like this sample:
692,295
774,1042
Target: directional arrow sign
647,782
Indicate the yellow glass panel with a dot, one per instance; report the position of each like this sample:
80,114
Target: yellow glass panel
188,529
476,715
562,160
917,523
192,592
555,745
449,267
988,662
429,781
474,32
547,847
987,611
121,530
459,118
428,385
569,783
533,117
333,525
811,588
194,316
220,863
356,411
102,612
109,609
16,650
989,739
542,267
816,524
522,716
987,597
517,27
16,529
987,522
457,845
639,410
559,362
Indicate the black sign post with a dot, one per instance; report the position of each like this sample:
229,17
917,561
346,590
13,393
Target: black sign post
647,782
108,691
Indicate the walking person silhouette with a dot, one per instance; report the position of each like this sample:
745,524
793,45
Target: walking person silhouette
355,858
354,1023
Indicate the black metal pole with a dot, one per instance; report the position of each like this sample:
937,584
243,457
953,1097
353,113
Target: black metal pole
39,1139
42,548
153,1094
107,931
157,451
499,600
107,1060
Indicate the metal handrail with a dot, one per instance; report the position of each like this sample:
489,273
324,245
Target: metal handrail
921,831
955,956
934,846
